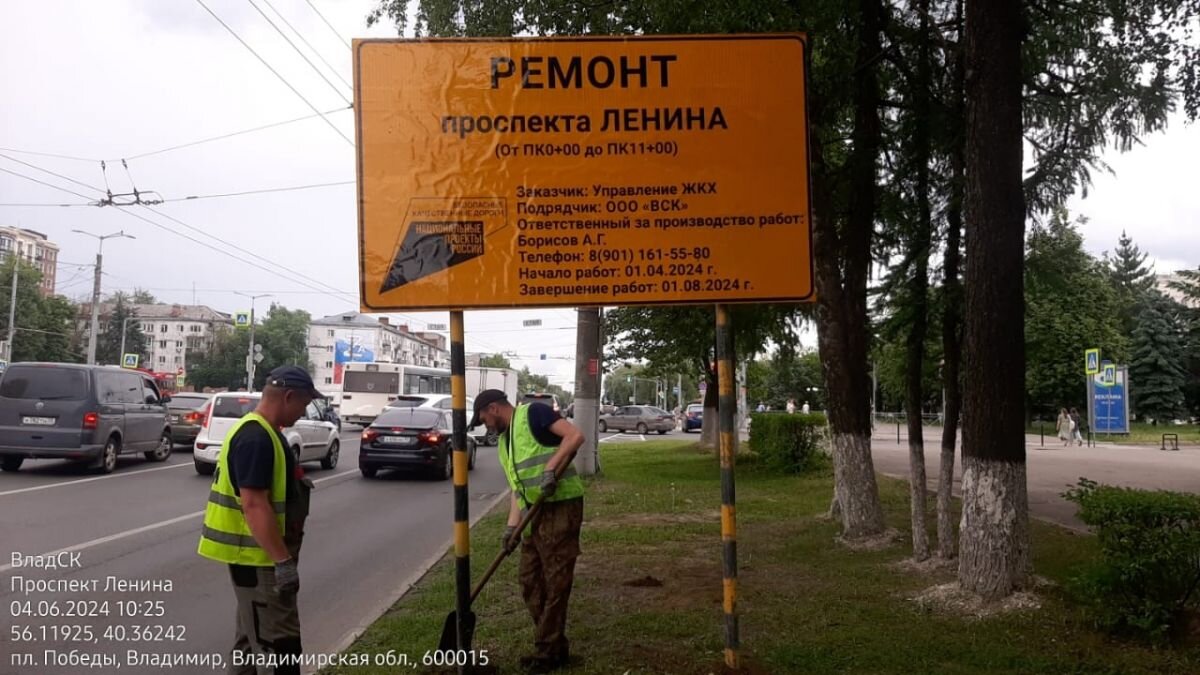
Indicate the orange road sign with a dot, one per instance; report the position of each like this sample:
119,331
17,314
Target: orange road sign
582,171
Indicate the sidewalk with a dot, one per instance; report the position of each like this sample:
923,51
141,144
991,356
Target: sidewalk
1054,468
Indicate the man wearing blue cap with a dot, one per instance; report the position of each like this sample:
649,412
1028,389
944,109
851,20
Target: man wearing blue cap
254,522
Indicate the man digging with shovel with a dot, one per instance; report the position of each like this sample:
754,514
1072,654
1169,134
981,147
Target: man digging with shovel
535,444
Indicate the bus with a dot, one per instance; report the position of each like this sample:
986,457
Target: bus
367,388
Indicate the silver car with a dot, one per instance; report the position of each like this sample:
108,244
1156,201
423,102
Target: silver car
639,418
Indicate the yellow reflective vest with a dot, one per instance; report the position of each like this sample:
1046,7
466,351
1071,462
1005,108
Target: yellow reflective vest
524,460
226,536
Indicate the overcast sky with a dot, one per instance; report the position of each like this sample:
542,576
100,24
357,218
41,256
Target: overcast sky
116,78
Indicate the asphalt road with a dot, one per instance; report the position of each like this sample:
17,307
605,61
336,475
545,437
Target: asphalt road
365,541
1053,468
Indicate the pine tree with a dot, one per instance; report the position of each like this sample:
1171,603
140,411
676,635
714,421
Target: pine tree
1157,371
108,347
1128,268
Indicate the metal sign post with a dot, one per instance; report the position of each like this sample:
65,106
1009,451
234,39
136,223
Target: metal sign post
462,520
725,411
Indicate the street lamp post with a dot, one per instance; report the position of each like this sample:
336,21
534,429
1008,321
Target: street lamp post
92,336
124,332
250,350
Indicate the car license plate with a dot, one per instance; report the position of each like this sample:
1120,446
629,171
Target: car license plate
397,440
39,421
174,418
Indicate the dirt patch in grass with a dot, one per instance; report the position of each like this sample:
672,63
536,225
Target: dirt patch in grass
652,519
931,566
950,599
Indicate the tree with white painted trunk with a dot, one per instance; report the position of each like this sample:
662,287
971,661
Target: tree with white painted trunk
994,555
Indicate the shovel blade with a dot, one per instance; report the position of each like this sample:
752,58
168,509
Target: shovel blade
449,639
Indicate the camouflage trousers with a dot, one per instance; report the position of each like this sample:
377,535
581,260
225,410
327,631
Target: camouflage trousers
547,572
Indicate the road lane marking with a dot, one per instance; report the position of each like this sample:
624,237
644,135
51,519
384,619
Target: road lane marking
146,528
89,480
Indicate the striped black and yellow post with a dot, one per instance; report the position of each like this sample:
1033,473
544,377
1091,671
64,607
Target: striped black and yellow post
726,407
462,525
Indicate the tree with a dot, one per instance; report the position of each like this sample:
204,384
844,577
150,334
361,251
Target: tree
43,324
223,365
1070,306
1159,358
1131,278
108,345
494,361
528,383
284,337
994,557
786,375
673,340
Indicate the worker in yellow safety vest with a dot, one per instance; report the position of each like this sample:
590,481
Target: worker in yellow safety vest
254,523
535,444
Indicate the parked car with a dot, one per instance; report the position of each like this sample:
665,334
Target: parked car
187,412
693,417
313,438
411,438
549,399
639,418
85,413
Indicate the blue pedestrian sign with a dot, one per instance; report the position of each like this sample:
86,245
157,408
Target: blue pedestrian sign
129,361
241,319
1108,400
1091,360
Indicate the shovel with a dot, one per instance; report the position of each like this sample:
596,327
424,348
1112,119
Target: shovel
449,641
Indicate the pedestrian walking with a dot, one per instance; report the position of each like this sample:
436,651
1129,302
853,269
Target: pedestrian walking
1065,427
791,406
534,443
804,408
762,407
254,523
1077,426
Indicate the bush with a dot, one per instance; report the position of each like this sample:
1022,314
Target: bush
1146,581
787,443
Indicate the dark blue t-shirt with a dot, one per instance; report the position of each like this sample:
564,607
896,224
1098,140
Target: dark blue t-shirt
541,418
252,458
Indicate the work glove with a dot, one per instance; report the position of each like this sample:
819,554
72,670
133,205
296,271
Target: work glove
287,577
549,483
509,540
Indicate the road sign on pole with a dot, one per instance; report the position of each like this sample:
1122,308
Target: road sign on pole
130,361
568,171
1091,361
1108,400
241,319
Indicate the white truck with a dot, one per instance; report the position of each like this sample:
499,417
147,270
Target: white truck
478,379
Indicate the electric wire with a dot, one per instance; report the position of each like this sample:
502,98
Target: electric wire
331,28
275,72
312,65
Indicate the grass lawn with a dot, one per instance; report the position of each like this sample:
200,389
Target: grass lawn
1140,433
807,604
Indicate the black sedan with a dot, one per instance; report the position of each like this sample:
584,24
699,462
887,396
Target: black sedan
412,439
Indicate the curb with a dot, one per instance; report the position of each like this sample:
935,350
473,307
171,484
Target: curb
372,615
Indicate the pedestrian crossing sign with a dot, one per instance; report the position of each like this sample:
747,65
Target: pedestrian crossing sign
1092,361
241,319
129,361
1110,375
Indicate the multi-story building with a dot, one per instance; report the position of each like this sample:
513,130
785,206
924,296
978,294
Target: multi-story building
171,331
334,341
35,249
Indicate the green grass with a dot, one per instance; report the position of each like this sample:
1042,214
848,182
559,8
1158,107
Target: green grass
1139,433
806,604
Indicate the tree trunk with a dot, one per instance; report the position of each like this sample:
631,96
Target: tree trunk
918,291
994,557
951,319
843,257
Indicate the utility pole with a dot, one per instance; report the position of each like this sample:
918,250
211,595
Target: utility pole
93,333
124,332
12,309
587,388
250,353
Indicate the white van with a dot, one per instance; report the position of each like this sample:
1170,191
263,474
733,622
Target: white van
313,438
